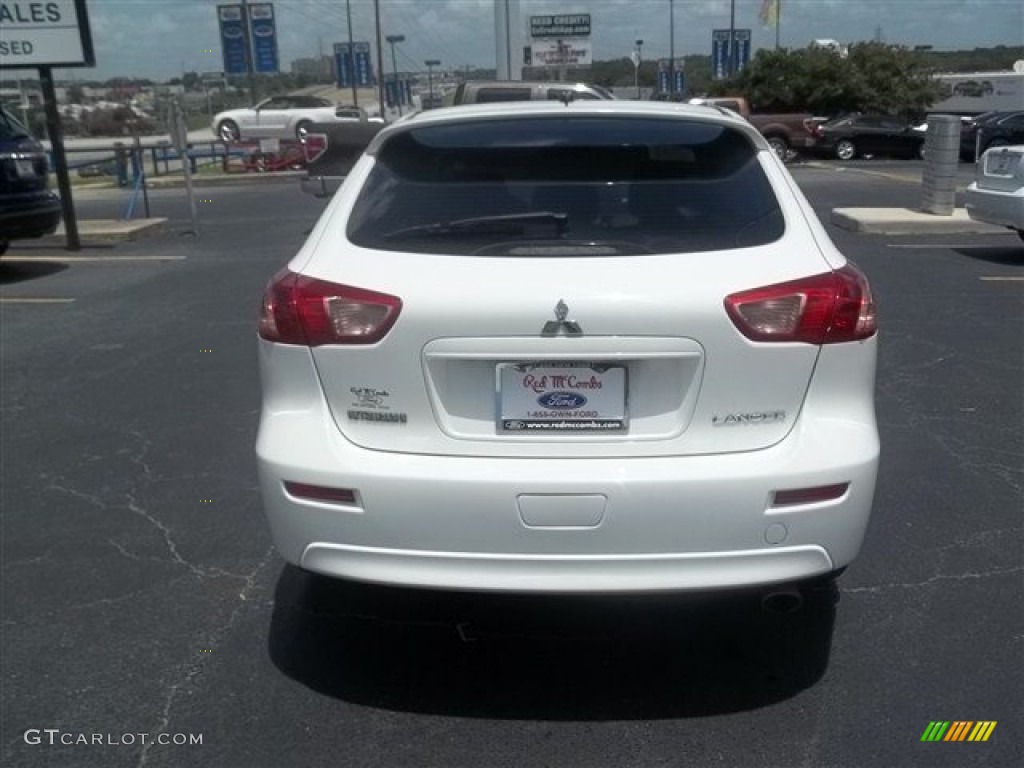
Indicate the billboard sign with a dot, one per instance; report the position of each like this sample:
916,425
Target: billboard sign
561,53
567,25
51,34
232,38
263,32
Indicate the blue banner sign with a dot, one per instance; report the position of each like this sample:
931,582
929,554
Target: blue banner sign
233,39
407,91
663,76
264,38
342,65
728,60
390,94
345,68
364,65
720,54
741,38
680,78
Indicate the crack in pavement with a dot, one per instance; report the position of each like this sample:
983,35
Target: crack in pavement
192,669
934,579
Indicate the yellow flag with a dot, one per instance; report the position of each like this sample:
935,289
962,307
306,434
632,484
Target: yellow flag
769,13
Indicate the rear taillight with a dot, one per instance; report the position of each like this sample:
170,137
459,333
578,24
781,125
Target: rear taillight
303,310
824,309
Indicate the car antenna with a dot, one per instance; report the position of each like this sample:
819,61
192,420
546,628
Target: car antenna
565,97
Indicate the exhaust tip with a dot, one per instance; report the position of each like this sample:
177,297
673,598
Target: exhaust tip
782,602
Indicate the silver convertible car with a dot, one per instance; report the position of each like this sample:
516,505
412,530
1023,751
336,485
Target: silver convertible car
281,117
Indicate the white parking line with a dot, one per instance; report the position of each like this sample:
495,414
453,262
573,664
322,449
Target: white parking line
996,279
36,300
967,246
110,259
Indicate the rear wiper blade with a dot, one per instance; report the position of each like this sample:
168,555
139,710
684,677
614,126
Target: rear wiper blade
508,224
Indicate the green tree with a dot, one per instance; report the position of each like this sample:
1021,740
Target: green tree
870,77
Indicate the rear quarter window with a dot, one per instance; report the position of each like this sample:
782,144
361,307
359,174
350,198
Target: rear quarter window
588,185
487,95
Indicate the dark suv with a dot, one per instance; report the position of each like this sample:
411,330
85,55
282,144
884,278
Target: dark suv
27,207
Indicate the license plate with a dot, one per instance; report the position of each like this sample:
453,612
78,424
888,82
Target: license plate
561,398
25,169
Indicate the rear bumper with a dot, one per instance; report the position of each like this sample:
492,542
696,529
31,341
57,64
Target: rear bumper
568,525
1005,209
32,217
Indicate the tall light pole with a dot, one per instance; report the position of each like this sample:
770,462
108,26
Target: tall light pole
636,68
392,39
732,39
351,55
431,63
380,58
671,48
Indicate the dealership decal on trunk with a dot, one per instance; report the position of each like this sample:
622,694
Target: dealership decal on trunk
754,418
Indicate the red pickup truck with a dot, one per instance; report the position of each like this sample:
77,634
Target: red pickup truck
787,133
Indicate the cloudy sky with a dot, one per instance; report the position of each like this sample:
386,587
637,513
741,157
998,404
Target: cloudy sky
161,38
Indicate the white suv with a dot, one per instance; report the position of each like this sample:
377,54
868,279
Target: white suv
583,347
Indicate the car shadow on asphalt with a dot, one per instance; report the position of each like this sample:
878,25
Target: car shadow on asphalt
14,271
1011,254
546,657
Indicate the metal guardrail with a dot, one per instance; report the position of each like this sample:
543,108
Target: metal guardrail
127,162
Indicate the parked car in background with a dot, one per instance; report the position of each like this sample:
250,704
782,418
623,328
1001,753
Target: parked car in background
996,195
488,91
853,136
997,129
281,117
787,133
593,347
990,129
27,208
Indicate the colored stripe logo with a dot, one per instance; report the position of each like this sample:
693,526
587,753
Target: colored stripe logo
958,730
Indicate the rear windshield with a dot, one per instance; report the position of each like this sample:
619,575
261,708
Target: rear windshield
565,186
10,128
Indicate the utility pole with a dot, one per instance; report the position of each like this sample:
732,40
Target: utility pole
732,38
392,39
380,58
431,63
636,68
352,55
671,47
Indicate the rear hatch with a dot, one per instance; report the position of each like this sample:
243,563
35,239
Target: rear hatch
594,322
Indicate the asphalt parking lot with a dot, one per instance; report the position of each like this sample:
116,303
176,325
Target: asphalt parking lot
142,602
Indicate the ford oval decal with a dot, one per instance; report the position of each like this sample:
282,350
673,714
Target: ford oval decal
565,400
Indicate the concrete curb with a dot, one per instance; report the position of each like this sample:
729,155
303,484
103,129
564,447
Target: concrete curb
906,221
226,179
174,181
108,231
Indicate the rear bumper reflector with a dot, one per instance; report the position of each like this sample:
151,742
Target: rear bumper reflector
813,495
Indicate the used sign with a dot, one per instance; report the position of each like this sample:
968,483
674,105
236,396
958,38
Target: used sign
54,33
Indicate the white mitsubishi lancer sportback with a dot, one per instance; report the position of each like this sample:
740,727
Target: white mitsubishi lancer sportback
584,347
